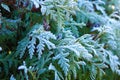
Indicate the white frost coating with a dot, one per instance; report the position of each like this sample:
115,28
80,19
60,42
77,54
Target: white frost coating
0,48
23,67
36,3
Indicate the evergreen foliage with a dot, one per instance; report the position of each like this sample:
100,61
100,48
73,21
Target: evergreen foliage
59,40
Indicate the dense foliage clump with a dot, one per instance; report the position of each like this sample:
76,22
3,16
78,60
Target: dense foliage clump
59,40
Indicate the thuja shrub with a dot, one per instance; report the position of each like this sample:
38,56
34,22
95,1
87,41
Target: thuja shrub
59,40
